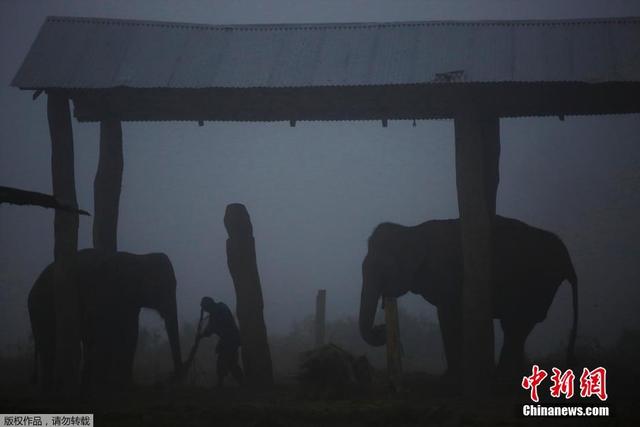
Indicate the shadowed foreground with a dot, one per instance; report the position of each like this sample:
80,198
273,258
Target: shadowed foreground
424,401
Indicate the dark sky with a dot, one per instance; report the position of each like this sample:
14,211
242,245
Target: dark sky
316,191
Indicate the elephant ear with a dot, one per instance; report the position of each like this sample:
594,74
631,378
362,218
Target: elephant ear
404,277
410,257
398,274
390,246
439,277
118,277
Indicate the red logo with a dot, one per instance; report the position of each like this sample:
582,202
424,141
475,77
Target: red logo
562,383
592,383
532,382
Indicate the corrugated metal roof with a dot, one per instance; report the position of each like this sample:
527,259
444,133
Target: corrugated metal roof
104,53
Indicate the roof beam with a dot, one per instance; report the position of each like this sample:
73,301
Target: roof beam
432,101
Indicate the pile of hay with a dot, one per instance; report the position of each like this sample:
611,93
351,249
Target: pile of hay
332,372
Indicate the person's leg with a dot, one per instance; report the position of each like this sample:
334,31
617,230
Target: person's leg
223,365
236,370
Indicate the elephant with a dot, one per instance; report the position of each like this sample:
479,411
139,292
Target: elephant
529,264
112,288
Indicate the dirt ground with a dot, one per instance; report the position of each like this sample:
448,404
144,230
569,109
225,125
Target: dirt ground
421,402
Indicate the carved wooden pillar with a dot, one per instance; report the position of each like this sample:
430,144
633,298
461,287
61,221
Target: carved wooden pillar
241,259
107,185
66,241
477,156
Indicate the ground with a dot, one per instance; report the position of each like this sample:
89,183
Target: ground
421,402
424,399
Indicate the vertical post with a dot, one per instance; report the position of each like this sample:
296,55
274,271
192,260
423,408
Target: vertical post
321,299
394,357
477,158
107,185
65,300
241,259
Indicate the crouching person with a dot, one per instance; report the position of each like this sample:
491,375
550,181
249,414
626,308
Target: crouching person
222,323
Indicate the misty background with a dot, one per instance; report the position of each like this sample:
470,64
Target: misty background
316,191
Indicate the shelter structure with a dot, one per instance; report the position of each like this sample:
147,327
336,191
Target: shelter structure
472,72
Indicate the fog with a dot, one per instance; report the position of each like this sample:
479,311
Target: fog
316,191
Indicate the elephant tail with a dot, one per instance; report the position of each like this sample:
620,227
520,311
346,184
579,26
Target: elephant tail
573,280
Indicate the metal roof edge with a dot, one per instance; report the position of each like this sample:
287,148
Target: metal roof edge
338,25
13,80
331,86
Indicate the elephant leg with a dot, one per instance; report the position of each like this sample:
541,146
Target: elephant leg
43,327
516,332
118,339
46,349
86,363
450,320
88,341
127,353
99,352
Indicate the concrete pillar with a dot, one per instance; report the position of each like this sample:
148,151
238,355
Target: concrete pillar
107,185
66,300
477,137
241,259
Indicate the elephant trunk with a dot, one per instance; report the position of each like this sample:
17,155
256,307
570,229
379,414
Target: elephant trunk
371,293
171,324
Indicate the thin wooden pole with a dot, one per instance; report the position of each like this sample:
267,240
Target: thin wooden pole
394,356
66,299
241,259
477,158
320,316
107,185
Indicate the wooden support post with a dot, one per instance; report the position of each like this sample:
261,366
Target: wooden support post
241,259
394,353
320,316
66,300
477,158
106,186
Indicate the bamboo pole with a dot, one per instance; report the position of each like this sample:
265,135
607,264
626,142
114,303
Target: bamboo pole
394,351
320,317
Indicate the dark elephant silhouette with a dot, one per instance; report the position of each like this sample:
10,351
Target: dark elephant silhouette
529,264
112,288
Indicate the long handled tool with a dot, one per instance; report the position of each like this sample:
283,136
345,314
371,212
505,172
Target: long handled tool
194,349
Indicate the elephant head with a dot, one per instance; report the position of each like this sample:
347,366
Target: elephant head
388,270
113,294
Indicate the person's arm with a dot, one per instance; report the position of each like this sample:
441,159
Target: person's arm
208,330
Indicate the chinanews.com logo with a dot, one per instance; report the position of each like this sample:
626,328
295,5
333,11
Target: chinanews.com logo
592,383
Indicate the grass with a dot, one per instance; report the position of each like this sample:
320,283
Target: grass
423,400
